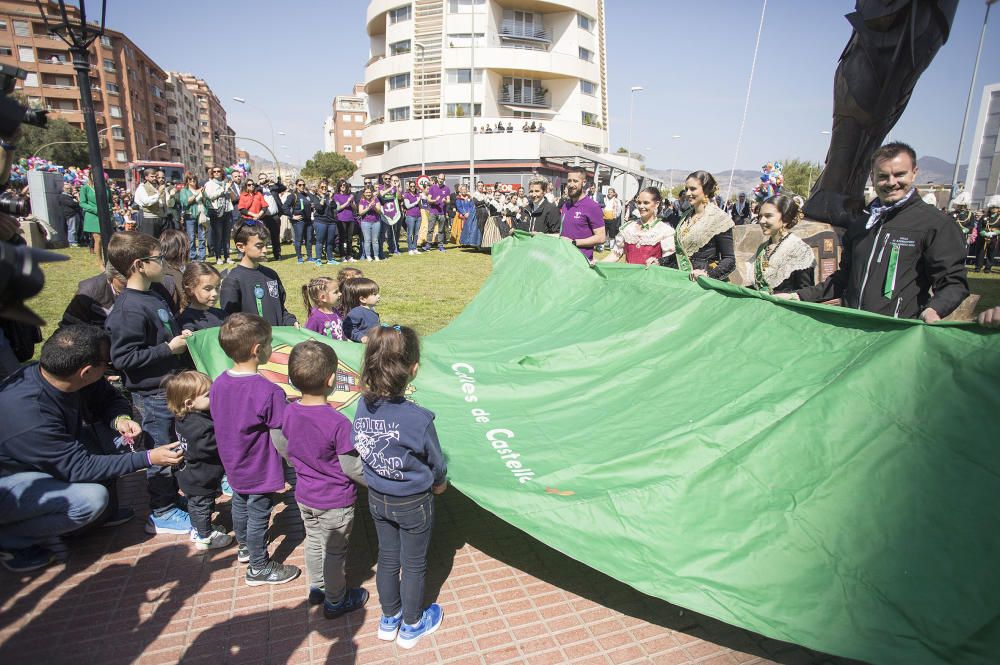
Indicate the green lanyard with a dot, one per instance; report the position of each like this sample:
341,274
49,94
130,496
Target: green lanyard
890,272
165,320
258,294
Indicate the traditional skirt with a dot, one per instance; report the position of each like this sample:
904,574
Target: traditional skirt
496,229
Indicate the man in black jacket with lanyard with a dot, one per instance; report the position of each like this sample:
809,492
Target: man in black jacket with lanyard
541,216
898,251
54,478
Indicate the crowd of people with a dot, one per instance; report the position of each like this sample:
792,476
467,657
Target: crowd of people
115,390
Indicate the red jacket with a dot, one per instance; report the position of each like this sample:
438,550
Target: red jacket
252,203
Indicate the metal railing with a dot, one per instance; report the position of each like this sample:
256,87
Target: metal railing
525,98
516,30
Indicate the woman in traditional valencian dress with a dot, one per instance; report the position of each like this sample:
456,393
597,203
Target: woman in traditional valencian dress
645,241
704,238
784,263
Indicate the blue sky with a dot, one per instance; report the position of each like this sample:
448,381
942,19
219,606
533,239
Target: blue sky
692,58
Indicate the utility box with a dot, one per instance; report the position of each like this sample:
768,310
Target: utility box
44,189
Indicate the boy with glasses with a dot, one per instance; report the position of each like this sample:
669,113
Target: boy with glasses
147,345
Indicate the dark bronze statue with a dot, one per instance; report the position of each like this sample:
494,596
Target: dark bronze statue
893,43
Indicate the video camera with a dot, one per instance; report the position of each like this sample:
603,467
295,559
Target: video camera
12,114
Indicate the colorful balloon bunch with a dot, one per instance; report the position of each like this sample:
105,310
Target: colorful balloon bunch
771,181
72,175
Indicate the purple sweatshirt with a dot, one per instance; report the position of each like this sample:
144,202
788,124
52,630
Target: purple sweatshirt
245,408
330,324
347,214
438,192
316,436
580,219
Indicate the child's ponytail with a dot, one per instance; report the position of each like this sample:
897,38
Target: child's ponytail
390,354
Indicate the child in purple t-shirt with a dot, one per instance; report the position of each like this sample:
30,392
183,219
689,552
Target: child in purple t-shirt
321,297
320,449
245,408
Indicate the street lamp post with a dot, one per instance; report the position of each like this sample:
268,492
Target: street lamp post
628,148
423,114
277,166
149,152
79,34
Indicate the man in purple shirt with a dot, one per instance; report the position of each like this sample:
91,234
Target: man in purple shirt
437,209
582,217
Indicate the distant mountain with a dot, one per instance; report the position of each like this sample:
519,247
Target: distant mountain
930,170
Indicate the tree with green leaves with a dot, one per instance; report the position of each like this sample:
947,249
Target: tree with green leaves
799,176
330,165
70,148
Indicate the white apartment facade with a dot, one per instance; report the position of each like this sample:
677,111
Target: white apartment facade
435,62
984,163
183,127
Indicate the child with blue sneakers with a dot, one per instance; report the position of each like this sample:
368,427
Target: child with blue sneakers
147,346
404,468
327,466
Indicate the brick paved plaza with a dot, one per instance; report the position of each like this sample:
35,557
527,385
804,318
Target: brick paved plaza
127,597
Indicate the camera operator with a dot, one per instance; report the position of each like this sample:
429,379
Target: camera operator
55,475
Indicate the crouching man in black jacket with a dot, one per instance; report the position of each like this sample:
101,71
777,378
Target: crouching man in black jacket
899,251
51,481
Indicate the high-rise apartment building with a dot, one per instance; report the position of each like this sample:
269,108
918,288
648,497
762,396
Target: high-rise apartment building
441,71
347,124
183,126
984,164
128,87
218,147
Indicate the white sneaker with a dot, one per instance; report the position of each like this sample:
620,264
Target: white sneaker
214,541
377,258
218,262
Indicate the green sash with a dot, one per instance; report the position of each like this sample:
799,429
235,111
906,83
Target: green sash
683,261
759,282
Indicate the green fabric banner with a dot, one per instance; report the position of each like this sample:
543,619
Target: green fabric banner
818,475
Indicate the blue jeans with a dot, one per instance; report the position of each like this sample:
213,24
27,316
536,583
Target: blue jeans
404,525
301,235
369,238
219,229
251,515
326,239
412,228
73,227
196,239
390,232
158,424
35,506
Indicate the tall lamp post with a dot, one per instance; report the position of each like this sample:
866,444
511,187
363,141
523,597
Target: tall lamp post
628,148
277,166
79,35
423,114
149,153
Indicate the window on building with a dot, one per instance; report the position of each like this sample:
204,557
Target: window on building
31,81
157,92
464,40
465,6
6,51
585,22
586,54
117,132
109,65
105,41
456,76
25,54
400,14
120,156
400,47
590,119
358,133
517,90
348,148
112,88
116,111
399,113
347,133
462,110
22,29
399,81
588,87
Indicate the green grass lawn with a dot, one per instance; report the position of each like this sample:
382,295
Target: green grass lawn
425,291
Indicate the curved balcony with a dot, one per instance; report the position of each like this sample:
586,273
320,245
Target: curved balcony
529,64
381,68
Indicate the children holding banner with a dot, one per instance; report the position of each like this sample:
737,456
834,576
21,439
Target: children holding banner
251,287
